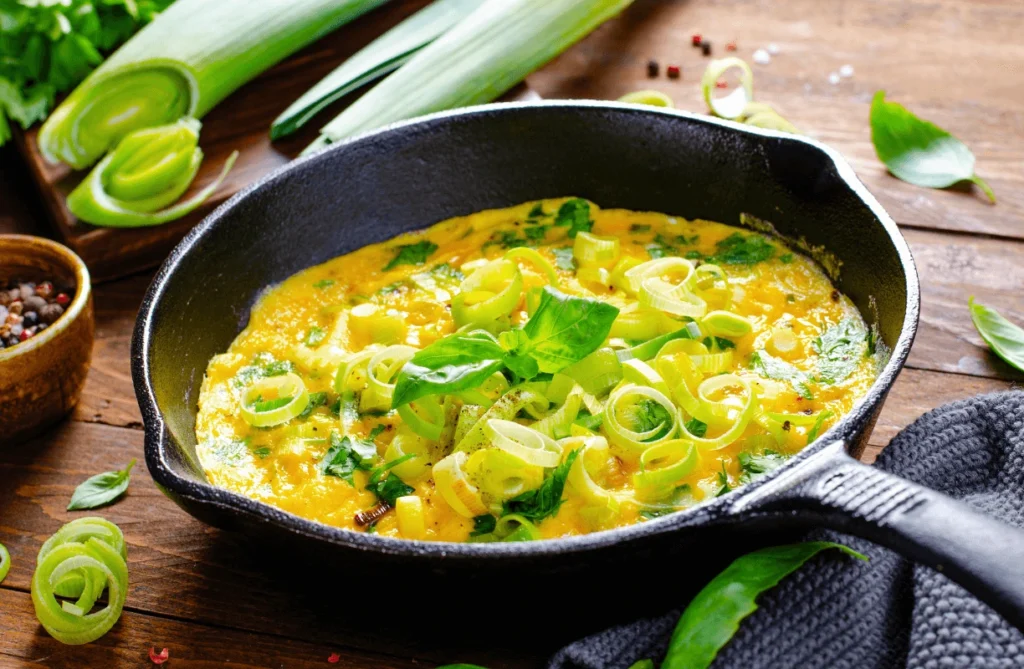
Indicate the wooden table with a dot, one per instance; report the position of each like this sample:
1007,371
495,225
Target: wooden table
200,591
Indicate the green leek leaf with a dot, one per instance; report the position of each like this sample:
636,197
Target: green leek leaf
381,56
1002,336
478,60
714,615
918,151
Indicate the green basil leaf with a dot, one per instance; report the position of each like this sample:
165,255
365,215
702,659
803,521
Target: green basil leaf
458,362
1002,336
565,329
714,615
918,151
101,489
754,465
412,254
484,524
536,505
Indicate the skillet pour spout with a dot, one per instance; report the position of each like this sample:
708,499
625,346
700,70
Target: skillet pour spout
411,175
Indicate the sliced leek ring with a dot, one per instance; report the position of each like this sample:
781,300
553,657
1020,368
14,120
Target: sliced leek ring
451,481
662,467
648,97
529,445
730,106
274,389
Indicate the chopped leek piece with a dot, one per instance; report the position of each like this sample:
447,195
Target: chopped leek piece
380,57
77,562
135,184
451,481
183,64
591,250
648,97
411,522
5,562
274,400
730,106
662,467
484,55
536,259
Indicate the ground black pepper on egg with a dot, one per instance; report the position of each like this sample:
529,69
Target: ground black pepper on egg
28,308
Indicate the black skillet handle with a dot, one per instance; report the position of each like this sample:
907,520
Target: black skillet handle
831,489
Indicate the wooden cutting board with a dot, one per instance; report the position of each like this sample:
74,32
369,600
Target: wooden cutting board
241,122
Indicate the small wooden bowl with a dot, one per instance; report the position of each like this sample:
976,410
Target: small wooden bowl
42,378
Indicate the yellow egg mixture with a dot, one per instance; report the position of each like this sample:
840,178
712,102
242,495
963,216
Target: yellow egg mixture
773,356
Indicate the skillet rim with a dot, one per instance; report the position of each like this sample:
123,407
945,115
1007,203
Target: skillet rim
156,435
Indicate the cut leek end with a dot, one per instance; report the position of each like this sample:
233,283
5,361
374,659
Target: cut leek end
150,168
99,114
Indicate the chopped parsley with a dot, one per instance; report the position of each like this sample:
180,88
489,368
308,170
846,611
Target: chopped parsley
576,215
840,350
389,488
786,258
639,227
316,400
261,452
228,451
536,505
812,434
412,254
649,415
696,427
345,455
723,482
537,211
506,239
776,368
663,246
484,524
753,466
263,365
585,419
536,233
315,336
720,343
740,249
324,283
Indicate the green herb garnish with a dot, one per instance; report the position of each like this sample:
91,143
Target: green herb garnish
776,368
484,524
840,350
345,455
315,336
536,505
316,400
740,249
754,465
575,214
101,489
1004,338
918,151
696,427
389,488
324,283
412,254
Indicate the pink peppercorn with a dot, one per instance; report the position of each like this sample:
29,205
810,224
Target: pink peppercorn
696,39
63,299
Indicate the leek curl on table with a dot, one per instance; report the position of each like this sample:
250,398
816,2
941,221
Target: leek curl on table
380,57
478,60
135,184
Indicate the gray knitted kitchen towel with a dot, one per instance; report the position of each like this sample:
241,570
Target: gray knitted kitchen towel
841,613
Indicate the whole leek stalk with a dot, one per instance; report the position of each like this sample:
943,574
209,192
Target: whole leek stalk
182,64
380,57
482,57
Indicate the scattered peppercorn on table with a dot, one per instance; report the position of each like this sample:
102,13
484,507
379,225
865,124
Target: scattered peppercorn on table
210,599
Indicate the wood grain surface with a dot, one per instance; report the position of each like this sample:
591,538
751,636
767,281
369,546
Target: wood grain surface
202,592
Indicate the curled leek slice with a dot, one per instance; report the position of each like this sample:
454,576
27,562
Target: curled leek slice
558,423
136,183
451,481
649,281
642,374
515,527
407,443
489,293
593,251
5,562
274,400
651,348
79,531
725,324
601,504
636,322
597,372
648,97
662,467
500,475
530,446
506,408
713,363
352,373
96,566
637,417
425,417
736,417
381,371
730,106
537,260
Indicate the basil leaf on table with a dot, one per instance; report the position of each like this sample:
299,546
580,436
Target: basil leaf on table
918,151
101,489
714,615
1002,336
565,329
458,362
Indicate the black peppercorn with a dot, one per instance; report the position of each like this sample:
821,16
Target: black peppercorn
705,47
653,68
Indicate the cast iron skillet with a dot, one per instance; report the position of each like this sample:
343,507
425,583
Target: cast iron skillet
414,174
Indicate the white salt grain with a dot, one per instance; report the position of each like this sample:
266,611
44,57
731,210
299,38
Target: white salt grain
846,71
773,49
833,78
761,57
